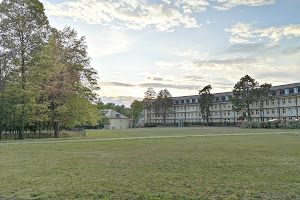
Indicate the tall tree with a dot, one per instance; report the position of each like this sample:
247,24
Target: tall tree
262,93
205,102
150,95
68,79
24,29
136,111
163,104
244,94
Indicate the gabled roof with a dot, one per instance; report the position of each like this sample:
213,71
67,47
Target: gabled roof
111,114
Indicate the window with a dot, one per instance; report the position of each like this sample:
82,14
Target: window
273,111
216,106
283,101
278,110
256,112
290,100
224,105
272,102
267,103
283,111
217,98
286,91
268,112
290,111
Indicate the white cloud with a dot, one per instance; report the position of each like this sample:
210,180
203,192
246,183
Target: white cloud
108,42
192,5
228,4
243,33
130,14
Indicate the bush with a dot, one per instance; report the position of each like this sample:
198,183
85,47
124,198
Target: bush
150,124
273,124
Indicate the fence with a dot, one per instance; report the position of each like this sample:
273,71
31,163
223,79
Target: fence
74,132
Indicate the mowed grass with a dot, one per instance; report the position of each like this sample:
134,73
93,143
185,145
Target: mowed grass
219,167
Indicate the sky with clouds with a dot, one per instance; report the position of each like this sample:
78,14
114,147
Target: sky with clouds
183,45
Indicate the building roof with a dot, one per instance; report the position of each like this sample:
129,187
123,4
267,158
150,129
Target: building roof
112,114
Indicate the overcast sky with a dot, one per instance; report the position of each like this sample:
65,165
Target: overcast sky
184,45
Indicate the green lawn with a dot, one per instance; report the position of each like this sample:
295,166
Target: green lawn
222,167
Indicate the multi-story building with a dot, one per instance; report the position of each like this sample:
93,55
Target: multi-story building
282,103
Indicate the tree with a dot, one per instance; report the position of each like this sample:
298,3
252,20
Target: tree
150,95
262,93
162,104
24,30
67,79
136,111
205,102
244,94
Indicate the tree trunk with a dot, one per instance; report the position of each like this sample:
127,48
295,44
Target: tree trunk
56,129
40,130
249,114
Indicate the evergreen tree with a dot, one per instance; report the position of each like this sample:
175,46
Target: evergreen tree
205,102
244,94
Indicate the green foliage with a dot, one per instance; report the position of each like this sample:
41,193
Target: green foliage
136,112
119,108
150,124
205,102
24,29
45,76
273,125
244,94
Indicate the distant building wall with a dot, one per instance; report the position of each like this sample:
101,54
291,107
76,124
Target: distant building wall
283,103
118,123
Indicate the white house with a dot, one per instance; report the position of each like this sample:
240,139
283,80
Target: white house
116,120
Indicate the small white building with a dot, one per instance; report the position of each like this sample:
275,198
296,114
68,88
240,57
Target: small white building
116,120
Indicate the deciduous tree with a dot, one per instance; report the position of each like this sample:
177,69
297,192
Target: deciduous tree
162,104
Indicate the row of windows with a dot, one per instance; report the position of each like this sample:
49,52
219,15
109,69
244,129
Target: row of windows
278,102
226,98
284,111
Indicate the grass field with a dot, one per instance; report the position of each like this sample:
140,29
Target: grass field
263,166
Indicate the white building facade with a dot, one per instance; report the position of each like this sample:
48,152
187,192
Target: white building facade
282,103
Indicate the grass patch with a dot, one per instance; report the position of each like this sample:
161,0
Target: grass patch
235,167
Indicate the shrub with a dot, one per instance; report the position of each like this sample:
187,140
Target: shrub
150,124
272,124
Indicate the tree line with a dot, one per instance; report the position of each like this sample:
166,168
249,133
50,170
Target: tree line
46,80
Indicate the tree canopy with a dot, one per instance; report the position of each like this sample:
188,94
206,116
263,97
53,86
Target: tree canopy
205,102
45,75
162,104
